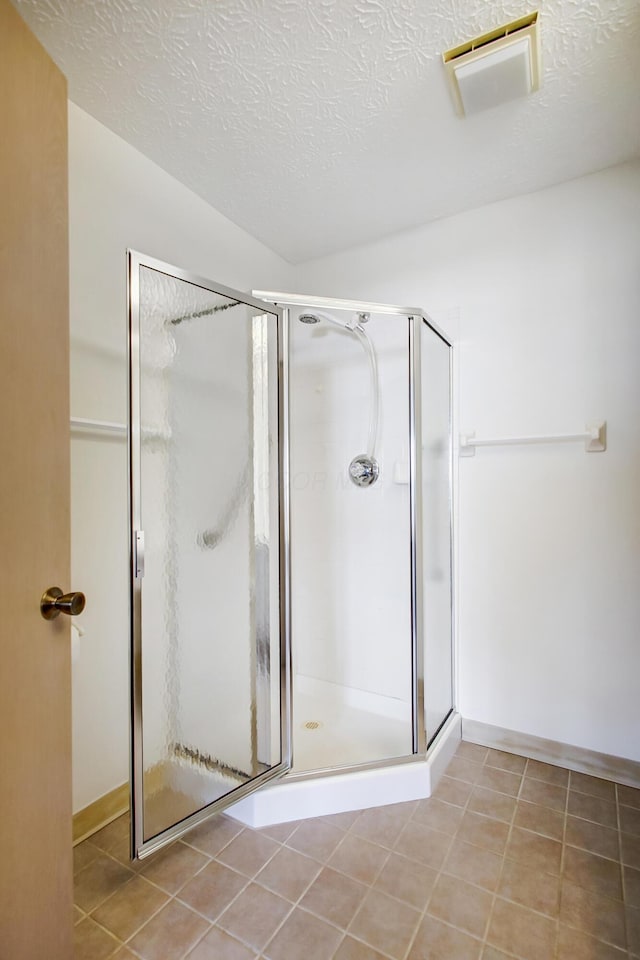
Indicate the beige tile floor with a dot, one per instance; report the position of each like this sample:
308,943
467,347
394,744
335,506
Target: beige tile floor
510,858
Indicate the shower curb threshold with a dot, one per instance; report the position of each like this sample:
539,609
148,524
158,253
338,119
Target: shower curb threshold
321,795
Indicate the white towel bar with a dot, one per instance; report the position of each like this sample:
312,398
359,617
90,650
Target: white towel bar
594,437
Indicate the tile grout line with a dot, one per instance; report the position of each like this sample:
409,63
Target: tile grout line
425,910
369,885
622,875
494,896
563,850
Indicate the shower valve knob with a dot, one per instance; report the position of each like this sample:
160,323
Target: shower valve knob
54,602
364,470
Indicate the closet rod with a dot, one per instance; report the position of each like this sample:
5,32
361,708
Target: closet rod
594,437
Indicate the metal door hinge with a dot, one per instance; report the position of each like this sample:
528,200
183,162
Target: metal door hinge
138,547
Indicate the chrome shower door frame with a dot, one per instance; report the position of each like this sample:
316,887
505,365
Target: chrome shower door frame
141,848
416,318
424,738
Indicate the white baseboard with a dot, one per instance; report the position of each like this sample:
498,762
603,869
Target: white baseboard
552,751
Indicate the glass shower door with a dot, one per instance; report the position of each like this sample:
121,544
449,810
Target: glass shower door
210,644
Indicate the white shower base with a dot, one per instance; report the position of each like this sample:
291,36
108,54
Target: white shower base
322,794
336,726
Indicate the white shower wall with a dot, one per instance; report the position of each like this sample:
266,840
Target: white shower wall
350,545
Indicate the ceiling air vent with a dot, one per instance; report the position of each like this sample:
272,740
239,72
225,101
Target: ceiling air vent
496,67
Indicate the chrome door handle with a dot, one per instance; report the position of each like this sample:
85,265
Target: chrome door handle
53,602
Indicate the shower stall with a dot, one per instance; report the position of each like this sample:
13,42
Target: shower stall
291,553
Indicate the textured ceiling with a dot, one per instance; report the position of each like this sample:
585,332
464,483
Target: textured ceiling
320,124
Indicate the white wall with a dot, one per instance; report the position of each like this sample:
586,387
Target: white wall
119,199
541,294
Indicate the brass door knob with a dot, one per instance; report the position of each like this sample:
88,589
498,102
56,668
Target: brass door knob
54,602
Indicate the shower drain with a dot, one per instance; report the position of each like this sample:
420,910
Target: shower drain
312,725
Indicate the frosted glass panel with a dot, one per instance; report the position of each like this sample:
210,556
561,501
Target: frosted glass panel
436,534
208,500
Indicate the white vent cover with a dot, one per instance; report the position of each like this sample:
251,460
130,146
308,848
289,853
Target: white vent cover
495,67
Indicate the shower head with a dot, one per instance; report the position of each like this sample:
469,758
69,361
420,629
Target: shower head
350,324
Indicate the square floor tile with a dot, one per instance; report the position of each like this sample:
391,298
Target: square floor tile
172,867
212,889
600,917
630,820
506,761
593,873
289,874
474,864
91,942
379,825
462,905
254,916
359,858
530,888
385,924
492,953
593,808
453,791
465,770
438,815
631,886
111,836
484,832
539,819
248,852
436,940
594,786
351,949
334,897
629,796
521,932
406,880
83,854
218,945
547,772
472,751
633,930
99,880
423,844
502,781
341,820
539,853
316,838
630,850
130,907
305,936
574,945
593,837
492,804
211,836
546,794
169,934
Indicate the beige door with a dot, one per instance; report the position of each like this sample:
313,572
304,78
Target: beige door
35,708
